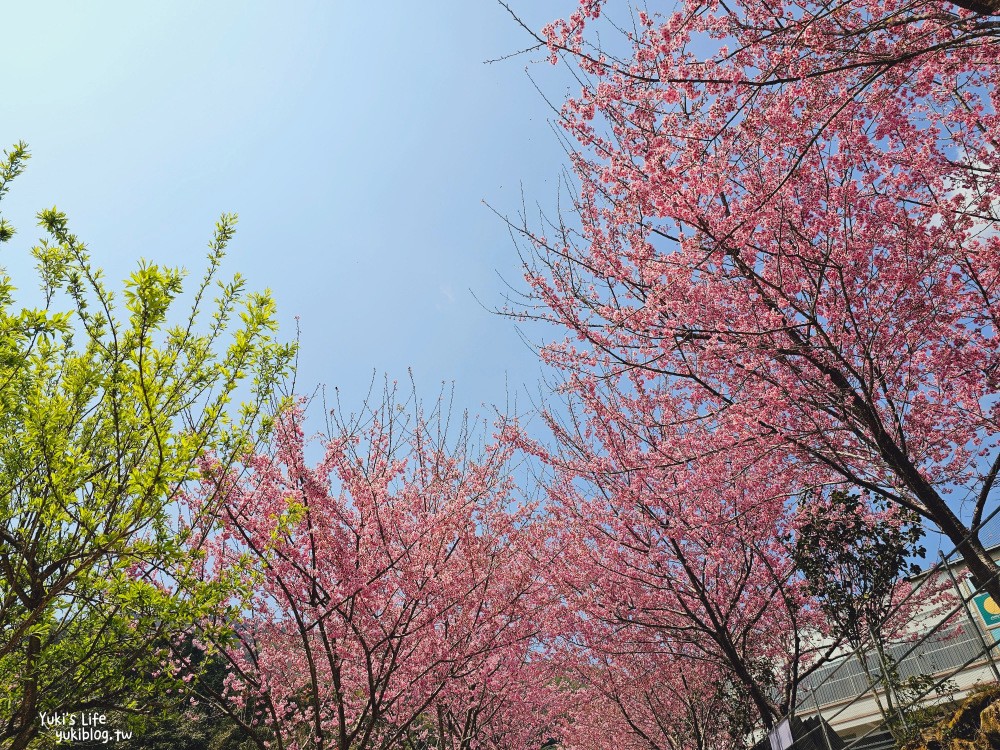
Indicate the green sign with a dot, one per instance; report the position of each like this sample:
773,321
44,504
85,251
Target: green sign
988,609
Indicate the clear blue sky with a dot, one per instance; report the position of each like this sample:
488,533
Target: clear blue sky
357,141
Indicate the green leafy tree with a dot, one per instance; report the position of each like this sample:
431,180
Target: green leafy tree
108,404
853,553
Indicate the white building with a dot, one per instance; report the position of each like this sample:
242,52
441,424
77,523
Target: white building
956,652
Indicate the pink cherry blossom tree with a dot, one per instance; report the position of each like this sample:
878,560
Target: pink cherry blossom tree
390,594
667,559
504,704
657,701
785,223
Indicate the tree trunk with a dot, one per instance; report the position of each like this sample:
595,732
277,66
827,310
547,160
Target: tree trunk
29,701
985,572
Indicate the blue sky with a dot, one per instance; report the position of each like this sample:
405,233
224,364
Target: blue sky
356,141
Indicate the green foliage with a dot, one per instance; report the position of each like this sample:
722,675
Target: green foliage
181,725
923,702
107,404
941,724
852,557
